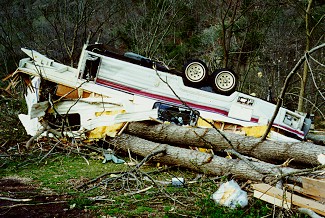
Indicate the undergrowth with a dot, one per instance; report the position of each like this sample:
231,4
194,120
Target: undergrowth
62,173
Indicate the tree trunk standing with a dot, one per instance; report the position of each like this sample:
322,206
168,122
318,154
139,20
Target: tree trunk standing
200,161
227,29
302,152
305,71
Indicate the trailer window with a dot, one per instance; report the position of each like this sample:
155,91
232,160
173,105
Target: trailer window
91,68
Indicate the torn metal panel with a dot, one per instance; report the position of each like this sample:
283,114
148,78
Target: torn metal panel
32,126
32,94
98,117
30,121
111,119
39,109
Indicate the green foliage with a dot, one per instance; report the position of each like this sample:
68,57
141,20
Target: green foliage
80,202
58,172
210,209
11,129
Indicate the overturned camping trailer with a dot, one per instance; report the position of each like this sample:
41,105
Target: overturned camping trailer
109,88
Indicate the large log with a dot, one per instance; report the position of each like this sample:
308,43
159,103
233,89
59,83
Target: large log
200,161
269,151
317,138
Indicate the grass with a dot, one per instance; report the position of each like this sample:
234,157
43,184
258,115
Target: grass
62,172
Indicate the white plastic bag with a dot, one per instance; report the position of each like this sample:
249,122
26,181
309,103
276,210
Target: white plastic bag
230,195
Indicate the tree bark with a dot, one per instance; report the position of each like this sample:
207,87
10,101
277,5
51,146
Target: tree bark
305,71
269,151
200,161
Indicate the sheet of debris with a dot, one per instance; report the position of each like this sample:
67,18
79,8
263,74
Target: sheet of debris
309,196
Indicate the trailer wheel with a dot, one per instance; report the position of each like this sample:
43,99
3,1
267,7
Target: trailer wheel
195,73
224,81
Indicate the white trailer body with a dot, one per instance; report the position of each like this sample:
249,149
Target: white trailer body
106,73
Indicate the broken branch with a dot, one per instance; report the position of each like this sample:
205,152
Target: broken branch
285,86
15,199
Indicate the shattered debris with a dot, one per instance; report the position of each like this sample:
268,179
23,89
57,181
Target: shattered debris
178,181
110,156
285,199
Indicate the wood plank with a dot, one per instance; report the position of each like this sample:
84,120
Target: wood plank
314,187
66,91
71,93
291,198
302,191
272,200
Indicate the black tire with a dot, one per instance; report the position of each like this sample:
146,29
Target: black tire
224,81
195,73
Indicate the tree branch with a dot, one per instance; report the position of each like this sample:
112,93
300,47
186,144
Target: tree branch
285,86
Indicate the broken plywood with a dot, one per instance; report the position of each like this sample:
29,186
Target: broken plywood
273,192
273,200
302,191
70,93
315,187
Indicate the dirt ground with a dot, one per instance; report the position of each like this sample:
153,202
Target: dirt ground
40,203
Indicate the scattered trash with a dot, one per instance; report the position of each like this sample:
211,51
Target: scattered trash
109,155
230,195
178,182
72,206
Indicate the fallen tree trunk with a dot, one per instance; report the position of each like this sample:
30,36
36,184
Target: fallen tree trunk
200,161
302,152
317,138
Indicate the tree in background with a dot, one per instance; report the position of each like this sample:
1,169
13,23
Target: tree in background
311,24
15,31
278,51
152,27
260,40
72,22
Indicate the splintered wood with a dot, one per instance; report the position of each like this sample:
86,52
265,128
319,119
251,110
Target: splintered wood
312,188
315,187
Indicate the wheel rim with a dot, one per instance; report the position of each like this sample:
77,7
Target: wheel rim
225,81
195,72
